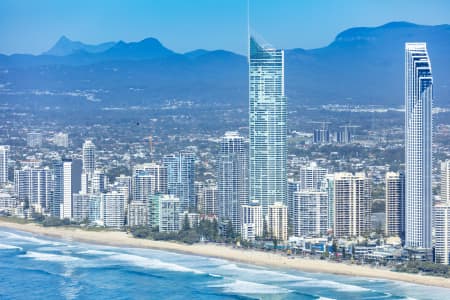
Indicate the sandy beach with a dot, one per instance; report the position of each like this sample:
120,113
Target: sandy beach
267,259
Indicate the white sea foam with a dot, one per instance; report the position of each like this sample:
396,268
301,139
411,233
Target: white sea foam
97,252
9,247
50,257
248,287
338,286
325,298
150,263
32,239
263,273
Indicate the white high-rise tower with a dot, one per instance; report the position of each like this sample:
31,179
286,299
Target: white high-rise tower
88,157
4,157
418,136
267,126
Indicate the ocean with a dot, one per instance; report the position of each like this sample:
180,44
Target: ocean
38,267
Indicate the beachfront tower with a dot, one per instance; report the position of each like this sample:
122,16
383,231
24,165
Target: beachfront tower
395,204
232,178
267,125
418,135
4,160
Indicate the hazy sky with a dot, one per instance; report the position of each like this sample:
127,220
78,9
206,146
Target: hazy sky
28,26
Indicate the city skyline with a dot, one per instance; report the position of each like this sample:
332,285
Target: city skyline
163,155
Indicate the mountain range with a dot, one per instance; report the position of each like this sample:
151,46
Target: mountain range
362,65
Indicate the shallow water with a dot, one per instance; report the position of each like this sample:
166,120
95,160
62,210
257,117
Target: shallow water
37,267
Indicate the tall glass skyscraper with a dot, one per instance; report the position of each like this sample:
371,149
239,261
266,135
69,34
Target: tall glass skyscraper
232,178
267,125
418,135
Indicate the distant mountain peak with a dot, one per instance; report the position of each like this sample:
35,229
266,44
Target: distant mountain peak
64,38
65,46
148,48
398,24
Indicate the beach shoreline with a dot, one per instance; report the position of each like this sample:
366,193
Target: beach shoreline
247,256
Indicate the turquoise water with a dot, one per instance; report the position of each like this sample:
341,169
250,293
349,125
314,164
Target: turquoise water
37,267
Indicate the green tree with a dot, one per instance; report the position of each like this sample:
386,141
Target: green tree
265,230
229,231
186,225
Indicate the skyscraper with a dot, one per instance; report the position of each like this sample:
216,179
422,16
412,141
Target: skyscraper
88,157
232,178
352,204
418,136
33,186
159,174
311,177
395,204
267,125
143,186
251,221
4,158
66,180
445,181
210,199
169,213
66,209
181,177
442,233
113,209
80,211
310,213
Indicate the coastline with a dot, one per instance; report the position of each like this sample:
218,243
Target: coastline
252,257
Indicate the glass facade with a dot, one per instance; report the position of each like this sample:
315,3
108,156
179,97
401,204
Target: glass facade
418,136
267,126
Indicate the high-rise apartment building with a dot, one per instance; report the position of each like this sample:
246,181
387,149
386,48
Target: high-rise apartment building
61,139
138,214
310,213
34,186
113,209
80,207
232,178
169,213
251,221
352,204
442,233
311,177
88,157
395,204
66,181
418,146
34,139
181,177
293,186
445,181
143,186
210,200
159,173
4,160
267,125
277,221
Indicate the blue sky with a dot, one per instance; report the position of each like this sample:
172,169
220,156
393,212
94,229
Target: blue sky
28,26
